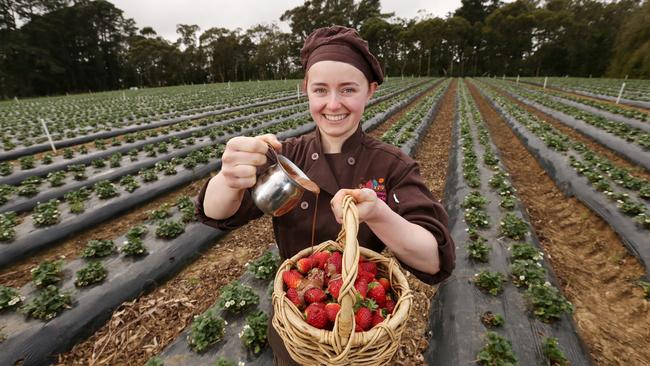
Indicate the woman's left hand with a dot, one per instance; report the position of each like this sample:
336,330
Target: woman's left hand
365,199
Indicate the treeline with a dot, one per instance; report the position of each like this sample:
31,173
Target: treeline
57,46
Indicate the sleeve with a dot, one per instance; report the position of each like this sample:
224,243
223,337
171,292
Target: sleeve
411,199
247,211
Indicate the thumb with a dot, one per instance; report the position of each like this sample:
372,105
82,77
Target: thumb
272,140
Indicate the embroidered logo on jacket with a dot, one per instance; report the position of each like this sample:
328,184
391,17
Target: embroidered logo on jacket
376,185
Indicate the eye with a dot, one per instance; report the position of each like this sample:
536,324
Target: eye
348,90
319,90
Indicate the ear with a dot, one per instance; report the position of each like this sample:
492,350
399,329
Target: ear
372,88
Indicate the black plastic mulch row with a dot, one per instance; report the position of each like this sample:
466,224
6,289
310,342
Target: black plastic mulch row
567,179
457,332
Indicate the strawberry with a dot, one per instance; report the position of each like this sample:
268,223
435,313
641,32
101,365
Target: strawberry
368,267
321,258
390,305
332,309
305,264
292,278
293,296
363,318
384,282
316,316
362,286
334,263
315,295
334,287
369,277
376,292
378,316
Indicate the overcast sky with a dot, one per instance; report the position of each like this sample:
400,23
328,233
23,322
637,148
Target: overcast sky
163,15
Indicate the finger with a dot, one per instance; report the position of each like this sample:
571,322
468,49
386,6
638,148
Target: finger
243,171
364,195
272,140
242,183
234,158
247,144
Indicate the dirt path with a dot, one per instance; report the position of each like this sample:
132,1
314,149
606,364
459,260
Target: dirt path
595,270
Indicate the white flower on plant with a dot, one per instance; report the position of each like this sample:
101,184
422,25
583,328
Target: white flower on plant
539,264
246,264
242,303
241,363
547,284
522,277
14,301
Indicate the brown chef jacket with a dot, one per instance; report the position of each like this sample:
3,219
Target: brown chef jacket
363,162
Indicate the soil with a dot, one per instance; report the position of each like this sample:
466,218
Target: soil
142,328
17,275
595,270
614,157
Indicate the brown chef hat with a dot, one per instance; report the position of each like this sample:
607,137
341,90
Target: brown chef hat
338,43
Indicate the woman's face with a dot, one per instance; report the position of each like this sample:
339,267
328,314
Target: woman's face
338,93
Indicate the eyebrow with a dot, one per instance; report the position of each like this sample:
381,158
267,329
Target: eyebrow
343,84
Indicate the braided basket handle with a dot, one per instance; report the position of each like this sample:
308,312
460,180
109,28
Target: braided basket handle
345,322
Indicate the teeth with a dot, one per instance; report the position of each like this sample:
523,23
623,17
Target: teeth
335,117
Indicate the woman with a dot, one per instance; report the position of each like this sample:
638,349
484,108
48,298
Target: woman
396,210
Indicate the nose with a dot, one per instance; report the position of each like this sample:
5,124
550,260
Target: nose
333,102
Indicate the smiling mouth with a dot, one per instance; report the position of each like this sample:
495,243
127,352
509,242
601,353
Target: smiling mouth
334,117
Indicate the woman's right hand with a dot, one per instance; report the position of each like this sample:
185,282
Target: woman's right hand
242,156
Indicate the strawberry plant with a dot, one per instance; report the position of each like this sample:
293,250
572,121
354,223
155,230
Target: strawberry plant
224,362
643,220
115,160
56,178
508,202
148,175
474,200
5,191
491,282
478,250
490,159
150,150
27,162
137,231
46,214
133,246
9,297
6,168
8,221
169,229
489,319
189,162
553,352
98,163
48,303
98,249
513,227
629,207
161,213
29,187
476,218
77,199
47,273
47,159
115,142
496,352
265,266
206,330
525,251
253,335
68,153
236,297
100,145
133,155
129,183
162,147
78,171
93,273
526,272
83,150
547,302
105,189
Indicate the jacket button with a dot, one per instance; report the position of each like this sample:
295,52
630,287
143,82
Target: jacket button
304,205
351,160
314,156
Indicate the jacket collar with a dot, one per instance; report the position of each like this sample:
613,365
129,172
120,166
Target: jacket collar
320,171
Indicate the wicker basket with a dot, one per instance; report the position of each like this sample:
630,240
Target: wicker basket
308,345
